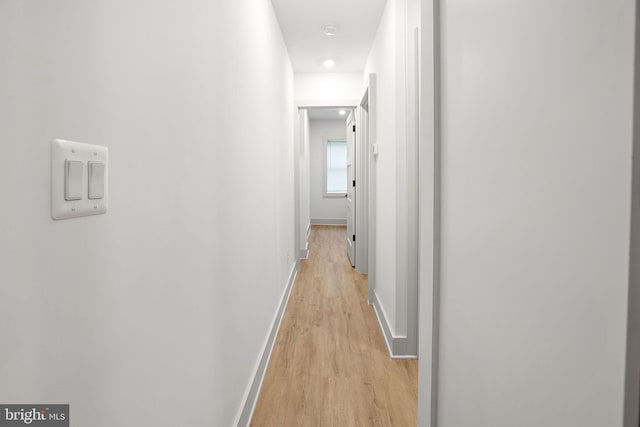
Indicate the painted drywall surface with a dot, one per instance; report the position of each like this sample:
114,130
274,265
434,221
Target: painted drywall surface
381,61
408,172
536,172
328,86
401,194
324,208
155,313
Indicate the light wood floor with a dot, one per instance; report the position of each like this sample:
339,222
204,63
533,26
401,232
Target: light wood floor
330,365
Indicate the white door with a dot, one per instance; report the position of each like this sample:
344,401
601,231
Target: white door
351,189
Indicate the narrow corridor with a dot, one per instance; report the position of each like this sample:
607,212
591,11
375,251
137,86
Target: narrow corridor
330,365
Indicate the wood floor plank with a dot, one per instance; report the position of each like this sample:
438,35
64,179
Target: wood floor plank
330,365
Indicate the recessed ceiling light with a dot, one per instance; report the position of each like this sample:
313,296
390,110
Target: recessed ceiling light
342,112
330,29
329,63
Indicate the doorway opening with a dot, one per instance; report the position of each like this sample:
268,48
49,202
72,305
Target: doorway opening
326,164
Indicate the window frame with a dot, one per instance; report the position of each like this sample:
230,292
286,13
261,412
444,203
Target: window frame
325,143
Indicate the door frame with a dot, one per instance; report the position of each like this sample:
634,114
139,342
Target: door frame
362,197
366,153
632,363
298,140
429,106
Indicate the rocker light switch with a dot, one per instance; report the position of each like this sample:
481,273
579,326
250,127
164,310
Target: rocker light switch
96,180
73,170
79,179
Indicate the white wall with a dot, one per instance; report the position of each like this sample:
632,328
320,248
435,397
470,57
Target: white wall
324,209
155,313
328,86
382,61
536,172
393,59
408,177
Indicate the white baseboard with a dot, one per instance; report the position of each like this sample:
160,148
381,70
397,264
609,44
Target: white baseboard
329,221
396,345
253,390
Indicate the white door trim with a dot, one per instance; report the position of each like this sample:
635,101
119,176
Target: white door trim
362,187
429,213
368,103
328,103
632,367
298,140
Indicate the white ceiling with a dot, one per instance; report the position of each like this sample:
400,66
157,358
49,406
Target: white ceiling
326,114
301,22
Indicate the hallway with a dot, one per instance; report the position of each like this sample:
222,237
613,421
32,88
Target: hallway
330,365
162,163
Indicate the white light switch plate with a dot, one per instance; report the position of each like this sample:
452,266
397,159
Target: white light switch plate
61,151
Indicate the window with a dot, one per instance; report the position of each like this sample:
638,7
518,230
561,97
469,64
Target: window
335,168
